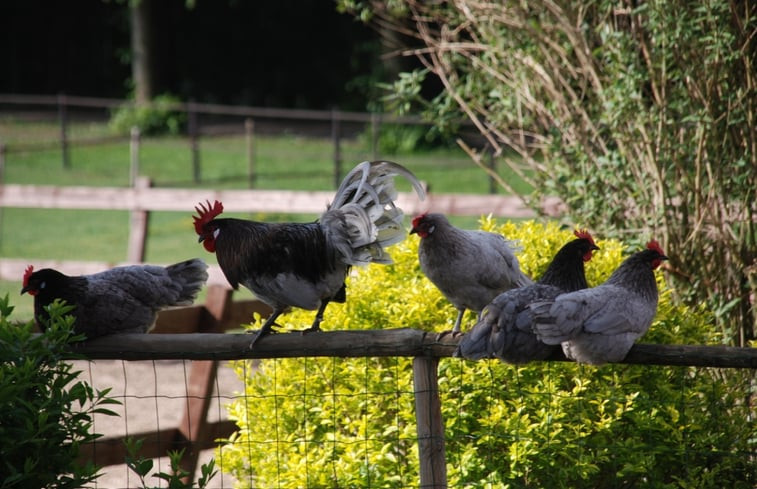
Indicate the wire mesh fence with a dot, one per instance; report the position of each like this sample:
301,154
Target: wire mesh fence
351,422
153,397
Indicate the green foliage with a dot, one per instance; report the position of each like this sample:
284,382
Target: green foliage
174,479
642,116
164,115
315,422
46,412
396,139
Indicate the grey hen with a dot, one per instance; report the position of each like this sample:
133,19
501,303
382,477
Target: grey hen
503,331
600,324
469,267
120,300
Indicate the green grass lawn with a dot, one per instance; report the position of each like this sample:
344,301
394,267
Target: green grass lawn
281,162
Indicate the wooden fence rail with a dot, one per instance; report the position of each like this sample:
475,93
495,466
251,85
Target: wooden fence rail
402,342
141,199
144,197
426,348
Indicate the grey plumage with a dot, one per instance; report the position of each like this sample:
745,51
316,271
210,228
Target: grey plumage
504,330
601,324
120,300
469,267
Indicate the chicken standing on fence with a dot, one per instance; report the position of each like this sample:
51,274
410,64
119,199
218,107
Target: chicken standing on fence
503,332
469,267
120,300
305,264
600,324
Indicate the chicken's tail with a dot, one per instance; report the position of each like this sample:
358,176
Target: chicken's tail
363,219
476,344
190,276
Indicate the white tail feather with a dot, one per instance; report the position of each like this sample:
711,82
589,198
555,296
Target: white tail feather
362,219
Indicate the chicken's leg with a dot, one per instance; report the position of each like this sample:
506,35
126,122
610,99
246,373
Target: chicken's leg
458,321
267,326
318,318
456,328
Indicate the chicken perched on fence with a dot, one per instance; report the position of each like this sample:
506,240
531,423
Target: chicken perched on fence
120,300
305,264
469,267
503,331
600,324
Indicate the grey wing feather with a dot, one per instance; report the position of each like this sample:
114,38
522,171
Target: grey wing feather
153,285
108,310
504,332
126,299
512,267
475,344
623,313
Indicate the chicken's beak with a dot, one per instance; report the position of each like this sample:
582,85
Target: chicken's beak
28,290
413,230
595,247
201,238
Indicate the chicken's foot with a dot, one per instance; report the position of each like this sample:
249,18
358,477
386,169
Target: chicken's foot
267,327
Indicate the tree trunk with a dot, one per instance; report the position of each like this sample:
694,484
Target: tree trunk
141,43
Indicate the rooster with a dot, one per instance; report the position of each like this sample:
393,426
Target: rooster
503,332
305,264
600,324
470,268
120,300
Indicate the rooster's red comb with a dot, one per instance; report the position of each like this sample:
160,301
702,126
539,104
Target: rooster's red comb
584,234
27,274
417,219
206,214
654,245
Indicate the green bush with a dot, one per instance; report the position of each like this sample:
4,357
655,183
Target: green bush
396,139
329,422
46,412
161,116
176,478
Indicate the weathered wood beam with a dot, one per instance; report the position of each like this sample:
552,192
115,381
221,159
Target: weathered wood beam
193,428
404,342
285,201
429,423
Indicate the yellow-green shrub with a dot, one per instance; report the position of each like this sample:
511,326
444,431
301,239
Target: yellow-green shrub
325,422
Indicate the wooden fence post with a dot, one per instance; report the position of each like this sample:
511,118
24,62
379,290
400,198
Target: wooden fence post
194,144
429,423
134,156
193,431
375,134
336,136
140,219
63,121
492,163
249,132
3,151
2,179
